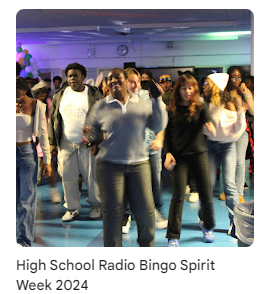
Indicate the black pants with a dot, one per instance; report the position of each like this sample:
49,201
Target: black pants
156,167
118,184
192,182
199,164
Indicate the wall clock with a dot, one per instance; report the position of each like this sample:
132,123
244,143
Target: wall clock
122,50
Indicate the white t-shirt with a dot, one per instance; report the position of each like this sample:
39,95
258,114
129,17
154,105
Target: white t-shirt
73,109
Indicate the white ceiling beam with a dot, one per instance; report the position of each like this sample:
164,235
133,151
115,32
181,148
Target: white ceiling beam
178,24
58,29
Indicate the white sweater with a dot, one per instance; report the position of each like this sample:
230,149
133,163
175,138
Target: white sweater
230,125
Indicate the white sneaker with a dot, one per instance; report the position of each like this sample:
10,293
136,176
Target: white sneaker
23,244
193,197
95,212
126,224
55,196
187,190
160,222
70,216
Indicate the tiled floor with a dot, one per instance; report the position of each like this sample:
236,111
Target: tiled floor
52,232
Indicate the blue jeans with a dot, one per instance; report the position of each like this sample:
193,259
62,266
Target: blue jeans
26,192
241,149
156,168
226,154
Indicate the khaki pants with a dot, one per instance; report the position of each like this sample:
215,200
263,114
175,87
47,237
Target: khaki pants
75,159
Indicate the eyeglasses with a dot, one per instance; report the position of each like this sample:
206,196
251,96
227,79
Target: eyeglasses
236,78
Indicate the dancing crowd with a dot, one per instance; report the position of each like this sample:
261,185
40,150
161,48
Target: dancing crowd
115,136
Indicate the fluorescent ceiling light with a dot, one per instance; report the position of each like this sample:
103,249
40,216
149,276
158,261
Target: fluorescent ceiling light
194,38
205,36
222,34
178,24
57,29
180,27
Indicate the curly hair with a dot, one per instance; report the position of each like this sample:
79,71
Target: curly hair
219,97
21,84
176,99
230,70
76,66
215,96
57,78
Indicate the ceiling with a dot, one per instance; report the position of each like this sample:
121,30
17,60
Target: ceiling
80,26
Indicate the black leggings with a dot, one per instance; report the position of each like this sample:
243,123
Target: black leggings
199,164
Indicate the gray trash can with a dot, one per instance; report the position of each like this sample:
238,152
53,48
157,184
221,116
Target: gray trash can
244,223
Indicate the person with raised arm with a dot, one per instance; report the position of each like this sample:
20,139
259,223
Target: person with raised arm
123,169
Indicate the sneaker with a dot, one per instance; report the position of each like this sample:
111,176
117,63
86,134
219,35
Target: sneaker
126,224
23,245
70,216
193,197
222,197
95,212
231,231
245,186
200,223
173,243
55,196
160,221
208,235
187,190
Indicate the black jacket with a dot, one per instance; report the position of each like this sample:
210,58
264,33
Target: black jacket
183,137
55,124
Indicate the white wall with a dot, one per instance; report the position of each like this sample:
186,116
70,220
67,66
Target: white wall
54,58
